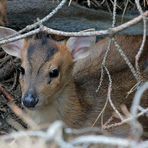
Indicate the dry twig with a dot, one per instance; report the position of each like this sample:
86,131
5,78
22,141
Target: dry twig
135,129
109,31
137,57
18,111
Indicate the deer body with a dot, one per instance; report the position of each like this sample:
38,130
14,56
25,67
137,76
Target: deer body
60,81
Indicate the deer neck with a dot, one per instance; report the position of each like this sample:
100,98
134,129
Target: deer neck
67,106
71,107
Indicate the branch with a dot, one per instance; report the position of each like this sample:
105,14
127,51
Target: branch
109,31
7,95
18,111
129,23
134,110
91,139
46,18
137,57
39,22
126,120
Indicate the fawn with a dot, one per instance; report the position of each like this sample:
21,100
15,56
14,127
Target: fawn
59,81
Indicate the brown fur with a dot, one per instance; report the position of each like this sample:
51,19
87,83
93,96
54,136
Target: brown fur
72,96
3,12
87,75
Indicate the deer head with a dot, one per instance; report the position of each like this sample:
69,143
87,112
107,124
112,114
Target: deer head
46,66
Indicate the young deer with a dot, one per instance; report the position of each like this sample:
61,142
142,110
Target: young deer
59,81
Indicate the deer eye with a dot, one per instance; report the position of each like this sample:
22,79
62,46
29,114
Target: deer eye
54,73
22,70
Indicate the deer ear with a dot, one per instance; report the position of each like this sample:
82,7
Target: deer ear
80,46
12,48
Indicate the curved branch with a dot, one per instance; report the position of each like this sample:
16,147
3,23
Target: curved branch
109,31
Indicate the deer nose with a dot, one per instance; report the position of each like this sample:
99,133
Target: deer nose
29,100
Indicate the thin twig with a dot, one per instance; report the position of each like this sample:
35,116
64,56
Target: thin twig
91,139
83,130
109,94
134,109
126,120
108,121
119,49
104,63
46,18
16,75
125,8
22,115
101,80
18,111
88,3
114,13
137,57
46,135
39,22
